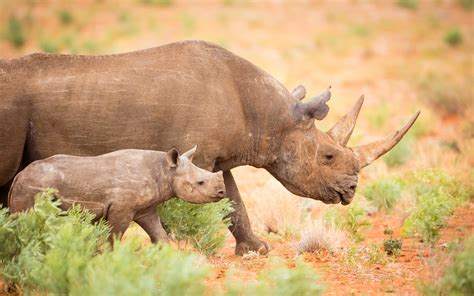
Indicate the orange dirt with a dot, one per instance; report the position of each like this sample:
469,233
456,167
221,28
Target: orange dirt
399,276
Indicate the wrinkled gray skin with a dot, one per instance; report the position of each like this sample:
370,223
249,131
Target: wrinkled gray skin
121,186
178,95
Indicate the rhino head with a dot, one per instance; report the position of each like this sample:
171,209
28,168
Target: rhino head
319,165
192,183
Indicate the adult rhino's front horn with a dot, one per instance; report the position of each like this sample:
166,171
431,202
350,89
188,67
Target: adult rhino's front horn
366,154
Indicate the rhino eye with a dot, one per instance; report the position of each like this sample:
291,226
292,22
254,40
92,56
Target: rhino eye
200,183
328,157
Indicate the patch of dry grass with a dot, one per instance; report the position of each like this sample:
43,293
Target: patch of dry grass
318,235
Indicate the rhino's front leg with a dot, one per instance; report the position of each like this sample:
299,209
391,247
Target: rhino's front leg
150,222
245,239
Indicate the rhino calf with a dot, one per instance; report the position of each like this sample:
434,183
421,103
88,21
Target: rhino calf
121,186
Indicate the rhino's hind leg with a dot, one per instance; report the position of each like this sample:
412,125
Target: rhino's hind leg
150,222
245,239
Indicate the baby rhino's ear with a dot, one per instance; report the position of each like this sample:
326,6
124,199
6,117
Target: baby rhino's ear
172,157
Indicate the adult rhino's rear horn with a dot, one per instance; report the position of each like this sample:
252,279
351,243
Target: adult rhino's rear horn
342,130
315,108
367,153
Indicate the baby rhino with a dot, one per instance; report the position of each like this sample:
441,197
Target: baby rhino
121,186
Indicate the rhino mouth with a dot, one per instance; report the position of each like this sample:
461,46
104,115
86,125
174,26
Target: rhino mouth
343,198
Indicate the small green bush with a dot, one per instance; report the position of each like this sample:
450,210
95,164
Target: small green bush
400,153
15,33
65,17
383,193
376,256
158,2
200,225
437,195
133,269
49,251
46,248
453,37
458,277
49,46
279,280
354,221
392,246
408,4
467,4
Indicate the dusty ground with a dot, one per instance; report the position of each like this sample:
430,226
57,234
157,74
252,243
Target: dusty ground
397,57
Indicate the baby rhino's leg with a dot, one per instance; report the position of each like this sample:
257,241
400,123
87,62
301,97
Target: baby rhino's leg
118,218
150,222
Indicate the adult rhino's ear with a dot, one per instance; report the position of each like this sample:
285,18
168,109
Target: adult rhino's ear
315,108
299,92
190,153
172,157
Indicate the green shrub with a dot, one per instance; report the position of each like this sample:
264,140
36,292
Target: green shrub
201,225
392,246
133,269
408,4
437,195
50,251
15,32
158,2
354,221
458,277
383,193
400,153
376,256
279,280
46,248
65,17
49,46
467,4
453,37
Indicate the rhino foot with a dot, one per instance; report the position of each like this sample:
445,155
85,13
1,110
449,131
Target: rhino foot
254,245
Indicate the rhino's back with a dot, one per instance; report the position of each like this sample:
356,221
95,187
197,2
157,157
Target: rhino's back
180,94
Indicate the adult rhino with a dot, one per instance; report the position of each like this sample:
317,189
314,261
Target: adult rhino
179,95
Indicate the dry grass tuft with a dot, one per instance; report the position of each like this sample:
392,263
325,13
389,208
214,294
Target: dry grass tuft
276,210
318,235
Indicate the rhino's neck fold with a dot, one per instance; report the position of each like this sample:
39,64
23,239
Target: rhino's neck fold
163,176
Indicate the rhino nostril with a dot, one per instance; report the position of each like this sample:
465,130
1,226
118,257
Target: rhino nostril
220,193
353,188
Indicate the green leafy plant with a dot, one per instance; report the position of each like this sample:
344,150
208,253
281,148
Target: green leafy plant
354,221
49,46
15,32
158,2
458,277
408,4
46,248
437,195
400,153
279,280
133,269
453,37
376,255
65,17
392,246
383,193
200,225
467,4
